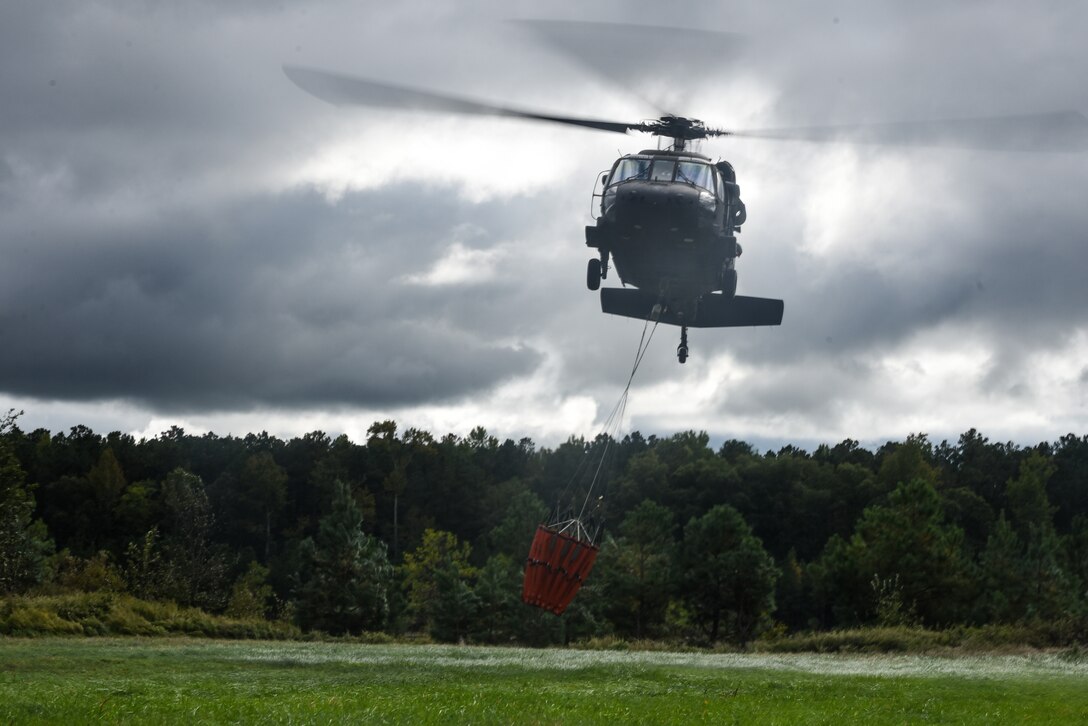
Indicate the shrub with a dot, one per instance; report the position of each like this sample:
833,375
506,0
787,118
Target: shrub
118,614
899,639
26,619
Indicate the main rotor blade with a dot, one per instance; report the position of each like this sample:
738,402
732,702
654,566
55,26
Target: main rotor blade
1056,131
343,90
654,63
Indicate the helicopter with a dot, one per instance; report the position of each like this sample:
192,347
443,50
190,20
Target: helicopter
668,220
668,217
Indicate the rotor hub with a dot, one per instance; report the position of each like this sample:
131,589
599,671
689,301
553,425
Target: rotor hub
678,127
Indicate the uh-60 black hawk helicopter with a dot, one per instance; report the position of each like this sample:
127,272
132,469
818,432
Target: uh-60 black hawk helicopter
669,217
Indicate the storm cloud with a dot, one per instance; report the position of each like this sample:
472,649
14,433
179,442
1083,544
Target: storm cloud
184,232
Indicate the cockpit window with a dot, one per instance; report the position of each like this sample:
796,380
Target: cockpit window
694,173
662,170
631,169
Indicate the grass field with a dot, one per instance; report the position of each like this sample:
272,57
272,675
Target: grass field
193,681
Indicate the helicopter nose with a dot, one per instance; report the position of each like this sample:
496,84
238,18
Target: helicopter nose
645,204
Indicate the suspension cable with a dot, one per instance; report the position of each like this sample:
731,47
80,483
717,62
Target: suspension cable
615,417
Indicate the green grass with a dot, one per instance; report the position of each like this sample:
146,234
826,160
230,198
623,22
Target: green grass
177,680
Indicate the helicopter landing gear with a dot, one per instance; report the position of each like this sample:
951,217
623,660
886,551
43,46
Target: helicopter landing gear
682,349
593,274
596,271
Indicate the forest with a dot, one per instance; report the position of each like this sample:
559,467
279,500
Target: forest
407,532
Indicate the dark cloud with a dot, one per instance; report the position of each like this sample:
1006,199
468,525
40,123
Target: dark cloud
285,300
158,248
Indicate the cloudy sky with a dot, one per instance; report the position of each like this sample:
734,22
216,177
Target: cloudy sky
187,238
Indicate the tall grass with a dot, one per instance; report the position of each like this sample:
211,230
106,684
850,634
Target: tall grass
108,613
112,613
906,639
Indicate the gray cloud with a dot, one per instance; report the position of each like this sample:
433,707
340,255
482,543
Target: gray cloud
293,305
152,250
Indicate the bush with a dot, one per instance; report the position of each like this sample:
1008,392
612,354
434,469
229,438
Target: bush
117,614
25,620
94,574
902,639
899,639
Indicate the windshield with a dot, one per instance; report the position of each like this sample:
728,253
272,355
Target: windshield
663,170
631,169
689,172
695,173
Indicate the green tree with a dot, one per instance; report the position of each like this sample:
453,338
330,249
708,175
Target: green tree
248,502
345,577
1050,587
984,467
1026,495
646,477
1076,547
907,462
107,485
81,510
523,513
24,542
499,610
840,584
794,594
95,574
455,608
195,566
635,570
1002,594
250,594
971,513
145,574
437,576
909,542
727,578
136,511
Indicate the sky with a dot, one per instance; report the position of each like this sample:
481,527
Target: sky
187,238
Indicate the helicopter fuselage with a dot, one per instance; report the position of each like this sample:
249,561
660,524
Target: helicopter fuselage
668,221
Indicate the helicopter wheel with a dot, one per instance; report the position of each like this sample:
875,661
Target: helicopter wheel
682,349
593,274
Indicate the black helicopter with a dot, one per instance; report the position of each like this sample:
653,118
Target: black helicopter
668,220
669,217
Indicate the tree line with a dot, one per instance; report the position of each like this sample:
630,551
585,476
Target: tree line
407,532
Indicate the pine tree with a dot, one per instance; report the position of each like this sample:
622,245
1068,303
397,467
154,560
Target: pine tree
346,575
1050,587
24,541
195,566
635,570
728,578
439,582
499,610
1003,595
910,542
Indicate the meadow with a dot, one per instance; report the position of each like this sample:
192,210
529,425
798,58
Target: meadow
173,680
